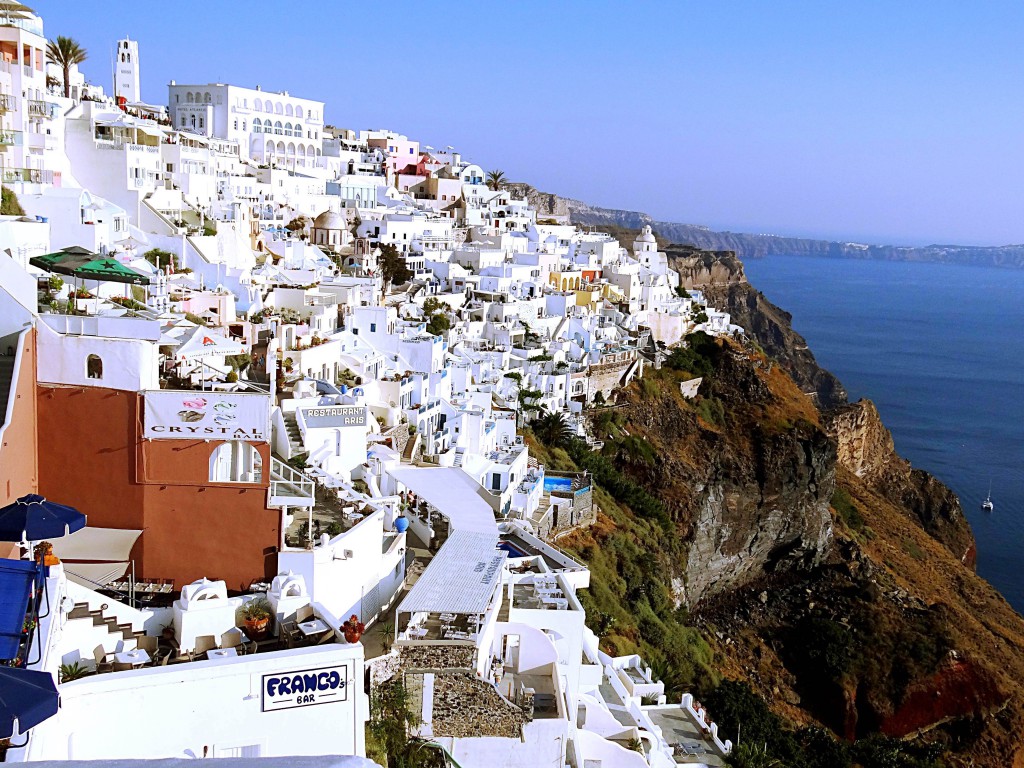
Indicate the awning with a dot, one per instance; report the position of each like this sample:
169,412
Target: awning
461,578
204,342
453,493
83,264
17,583
106,544
95,575
27,697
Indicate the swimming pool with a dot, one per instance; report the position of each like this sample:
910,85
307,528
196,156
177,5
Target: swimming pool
557,484
512,549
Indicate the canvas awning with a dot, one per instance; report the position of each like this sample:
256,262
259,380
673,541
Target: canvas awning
95,575
17,584
106,544
453,493
204,342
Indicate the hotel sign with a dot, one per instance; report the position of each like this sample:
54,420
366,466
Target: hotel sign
305,688
335,416
185,415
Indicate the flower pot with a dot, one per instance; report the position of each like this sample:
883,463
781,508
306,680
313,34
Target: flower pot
352,635
256,629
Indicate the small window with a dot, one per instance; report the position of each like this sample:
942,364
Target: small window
94,367
373,327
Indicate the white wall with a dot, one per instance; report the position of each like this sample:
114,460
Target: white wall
177,710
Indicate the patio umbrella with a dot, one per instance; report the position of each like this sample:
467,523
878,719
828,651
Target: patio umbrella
83,264
33,518
27,697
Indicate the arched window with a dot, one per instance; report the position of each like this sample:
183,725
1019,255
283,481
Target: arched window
207,99
277,108
235,462
257,105
188,97
94,367
298,130
257,125
288,110
277,127
287,129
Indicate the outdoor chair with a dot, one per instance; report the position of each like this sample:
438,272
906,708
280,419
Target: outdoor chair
232,639
104,660
290,634
326,637
121,667
204,643
148,643
305,613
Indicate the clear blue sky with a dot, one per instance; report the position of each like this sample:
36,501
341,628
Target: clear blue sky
877,121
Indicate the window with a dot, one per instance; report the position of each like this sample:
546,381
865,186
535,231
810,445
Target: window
373,327
235,462
94,367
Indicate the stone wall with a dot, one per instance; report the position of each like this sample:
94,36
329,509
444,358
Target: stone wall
467,707
425,656
383,668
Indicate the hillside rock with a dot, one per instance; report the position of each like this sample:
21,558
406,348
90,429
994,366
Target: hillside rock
866,448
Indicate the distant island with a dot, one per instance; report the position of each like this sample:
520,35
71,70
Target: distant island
756,246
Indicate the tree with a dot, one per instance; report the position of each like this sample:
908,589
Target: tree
495,180
552,429
65,52
9,205
158,257
392,265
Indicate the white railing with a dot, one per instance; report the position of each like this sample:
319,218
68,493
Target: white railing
288,486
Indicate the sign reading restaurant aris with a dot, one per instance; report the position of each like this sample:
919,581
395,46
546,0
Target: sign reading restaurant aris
189,415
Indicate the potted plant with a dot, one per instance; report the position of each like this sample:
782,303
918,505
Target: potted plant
76,671
167,632
353,629
44,553
256,614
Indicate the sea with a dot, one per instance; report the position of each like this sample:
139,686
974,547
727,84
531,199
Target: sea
940,350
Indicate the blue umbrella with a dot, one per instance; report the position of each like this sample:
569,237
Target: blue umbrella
27,697
33,518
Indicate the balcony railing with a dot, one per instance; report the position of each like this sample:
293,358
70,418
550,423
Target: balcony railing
289,487
7,102
33,175
10,138
42,109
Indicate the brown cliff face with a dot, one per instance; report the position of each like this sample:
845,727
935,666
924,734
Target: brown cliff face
865,447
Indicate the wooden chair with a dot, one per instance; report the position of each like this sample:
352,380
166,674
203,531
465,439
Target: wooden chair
120,667
232,639
290,634
305,613
104,660
204,643
148,643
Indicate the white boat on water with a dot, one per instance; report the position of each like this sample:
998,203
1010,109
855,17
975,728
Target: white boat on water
987,504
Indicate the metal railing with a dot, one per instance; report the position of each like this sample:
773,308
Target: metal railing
34,175
288,483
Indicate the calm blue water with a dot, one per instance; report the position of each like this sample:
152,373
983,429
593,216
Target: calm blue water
940,350
557,484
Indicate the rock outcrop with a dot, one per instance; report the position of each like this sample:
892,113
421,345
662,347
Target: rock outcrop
866,448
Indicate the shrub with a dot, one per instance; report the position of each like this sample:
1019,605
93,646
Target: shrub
847,510
9,205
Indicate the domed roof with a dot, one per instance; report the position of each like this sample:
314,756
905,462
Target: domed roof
329,220
646,236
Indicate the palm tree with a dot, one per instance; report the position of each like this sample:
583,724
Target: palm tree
65,52
495,180
552,429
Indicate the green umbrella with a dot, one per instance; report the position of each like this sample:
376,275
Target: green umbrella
85,265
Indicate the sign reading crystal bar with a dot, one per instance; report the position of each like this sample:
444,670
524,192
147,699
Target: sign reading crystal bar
335,416
305,688
182,415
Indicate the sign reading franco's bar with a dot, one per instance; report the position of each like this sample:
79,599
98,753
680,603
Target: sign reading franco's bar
181,415
335,416
304,688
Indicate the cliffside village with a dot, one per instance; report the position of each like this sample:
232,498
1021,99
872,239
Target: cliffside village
281,370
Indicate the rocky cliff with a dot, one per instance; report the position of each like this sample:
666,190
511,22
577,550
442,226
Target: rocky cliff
865,447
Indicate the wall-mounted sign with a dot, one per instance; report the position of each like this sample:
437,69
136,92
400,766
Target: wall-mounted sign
184,415
335,416
305,688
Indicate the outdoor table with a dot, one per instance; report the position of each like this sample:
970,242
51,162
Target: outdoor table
417,631
136,658
448,617
221,653
313,627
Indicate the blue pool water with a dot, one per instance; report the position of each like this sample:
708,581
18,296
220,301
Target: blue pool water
513,551
557,484
938,349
